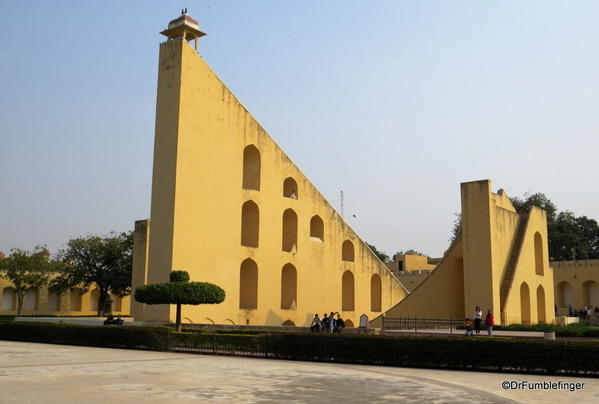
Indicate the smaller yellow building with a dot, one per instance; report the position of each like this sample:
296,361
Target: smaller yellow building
40,302
498,261
576,284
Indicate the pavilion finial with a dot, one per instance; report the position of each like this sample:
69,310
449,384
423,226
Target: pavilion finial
184,27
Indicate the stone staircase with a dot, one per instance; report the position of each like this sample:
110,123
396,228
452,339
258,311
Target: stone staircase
508,278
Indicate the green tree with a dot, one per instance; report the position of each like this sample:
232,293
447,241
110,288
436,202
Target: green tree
522,205
410,251
457,226
180,291
570,237
106,262
26,270
382,256
573,238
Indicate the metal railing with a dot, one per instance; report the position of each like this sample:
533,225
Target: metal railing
422,325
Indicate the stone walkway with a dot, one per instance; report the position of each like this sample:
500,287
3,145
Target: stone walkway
37,373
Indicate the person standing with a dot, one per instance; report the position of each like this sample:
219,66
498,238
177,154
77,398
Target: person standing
478,315
333,322
326,323
340,323
316,324
489,323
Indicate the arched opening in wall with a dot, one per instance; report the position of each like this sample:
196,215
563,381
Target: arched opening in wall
251,168
75,298
248,285
375,293
117,302
289,323
524,303
347,251
348,323
289,231
31,299
590,293
541,314
9,299
539,266
288,287
564,294
250,224
53,301
290,188
316,228
347,291
94,298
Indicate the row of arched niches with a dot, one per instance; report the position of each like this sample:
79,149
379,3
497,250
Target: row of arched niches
250,231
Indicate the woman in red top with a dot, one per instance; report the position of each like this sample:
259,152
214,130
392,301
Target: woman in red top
489,322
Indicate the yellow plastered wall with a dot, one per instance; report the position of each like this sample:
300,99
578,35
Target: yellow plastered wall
441,295
140,262
40,305
575,283
197,197
535,285
476,266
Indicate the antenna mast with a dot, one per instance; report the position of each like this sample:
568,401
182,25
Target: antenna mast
341,203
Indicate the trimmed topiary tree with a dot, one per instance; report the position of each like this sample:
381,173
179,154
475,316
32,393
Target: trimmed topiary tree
180,291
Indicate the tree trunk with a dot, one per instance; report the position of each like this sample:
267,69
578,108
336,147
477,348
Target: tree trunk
178,317
101,301
20,297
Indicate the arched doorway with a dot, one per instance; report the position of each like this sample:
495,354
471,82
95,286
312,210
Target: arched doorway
289,243
251,168
541,312
375,293
347,251
248,285
524,303
288,287
31,300
347,291
9,299
94,298
250,224
539,264
564,294
590,293
290,188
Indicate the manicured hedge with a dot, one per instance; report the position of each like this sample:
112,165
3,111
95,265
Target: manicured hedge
220,342
179,293
462,353
481,353
150,338
571,330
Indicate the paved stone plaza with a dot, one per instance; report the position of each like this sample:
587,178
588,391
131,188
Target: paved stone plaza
69,374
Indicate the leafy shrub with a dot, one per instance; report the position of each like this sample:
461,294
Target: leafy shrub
179,293
150,338
179,276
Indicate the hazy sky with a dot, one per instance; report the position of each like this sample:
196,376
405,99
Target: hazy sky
393,102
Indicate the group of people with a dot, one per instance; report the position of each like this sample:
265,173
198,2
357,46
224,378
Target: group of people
474,326
328,323
585,313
